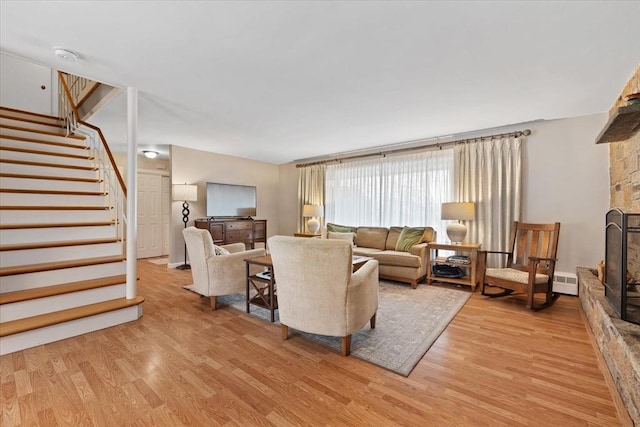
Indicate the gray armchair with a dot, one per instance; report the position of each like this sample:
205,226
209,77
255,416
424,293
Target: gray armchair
215,275
317,291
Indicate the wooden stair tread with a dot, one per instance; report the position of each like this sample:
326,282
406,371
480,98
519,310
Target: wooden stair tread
34,121
46,164
66,288
31,113
55,225
59,244
45,141
49,177
48,319
41,132
46,266
46,153
57,192
53,208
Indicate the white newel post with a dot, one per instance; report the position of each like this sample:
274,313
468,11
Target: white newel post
132,194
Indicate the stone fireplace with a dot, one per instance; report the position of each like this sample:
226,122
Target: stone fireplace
619,340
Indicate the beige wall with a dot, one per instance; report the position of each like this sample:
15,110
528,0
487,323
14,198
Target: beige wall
199,167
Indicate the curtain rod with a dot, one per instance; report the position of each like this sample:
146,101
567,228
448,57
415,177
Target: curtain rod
438,145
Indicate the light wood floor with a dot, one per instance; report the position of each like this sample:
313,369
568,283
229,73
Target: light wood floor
497,364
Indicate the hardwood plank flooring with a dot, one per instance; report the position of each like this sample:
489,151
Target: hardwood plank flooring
497,364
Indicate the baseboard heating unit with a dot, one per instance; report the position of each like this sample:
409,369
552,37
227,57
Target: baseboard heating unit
565,283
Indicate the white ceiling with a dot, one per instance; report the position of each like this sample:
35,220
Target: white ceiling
282,81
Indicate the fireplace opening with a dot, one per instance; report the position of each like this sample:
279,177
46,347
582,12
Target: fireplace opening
622,264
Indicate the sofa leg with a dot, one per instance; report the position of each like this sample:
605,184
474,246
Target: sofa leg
372,321
212,302
284,329
346,345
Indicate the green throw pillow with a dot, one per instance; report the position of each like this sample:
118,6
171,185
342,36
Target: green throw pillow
338,229
409,236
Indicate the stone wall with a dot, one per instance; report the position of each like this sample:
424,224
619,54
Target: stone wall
619,341
624,172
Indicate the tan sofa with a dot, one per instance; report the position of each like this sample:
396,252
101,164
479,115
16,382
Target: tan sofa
380,243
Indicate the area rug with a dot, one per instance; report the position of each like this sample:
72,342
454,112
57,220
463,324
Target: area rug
158,261
408,322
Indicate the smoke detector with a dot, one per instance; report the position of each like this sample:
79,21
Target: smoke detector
66,54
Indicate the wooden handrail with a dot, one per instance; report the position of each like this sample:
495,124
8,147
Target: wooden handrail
108,151
95,128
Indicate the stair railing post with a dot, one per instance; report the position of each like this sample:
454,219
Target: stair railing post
132,197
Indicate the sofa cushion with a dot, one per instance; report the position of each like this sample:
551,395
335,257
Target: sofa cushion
397,258
429,235
408,237
372,237
392,237
340,228
365,251
342,236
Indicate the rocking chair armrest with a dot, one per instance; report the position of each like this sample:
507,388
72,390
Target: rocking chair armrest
536,258
494,252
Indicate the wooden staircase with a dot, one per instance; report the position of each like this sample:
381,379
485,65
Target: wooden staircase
62,264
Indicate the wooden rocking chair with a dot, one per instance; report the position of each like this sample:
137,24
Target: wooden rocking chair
530,265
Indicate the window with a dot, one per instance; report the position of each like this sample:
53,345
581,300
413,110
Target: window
390,191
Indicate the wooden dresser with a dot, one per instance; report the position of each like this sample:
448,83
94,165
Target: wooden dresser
234,230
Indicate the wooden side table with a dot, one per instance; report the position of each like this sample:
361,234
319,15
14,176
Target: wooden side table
265,288
305,235
470,278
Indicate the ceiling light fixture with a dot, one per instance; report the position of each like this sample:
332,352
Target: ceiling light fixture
150,154
66,54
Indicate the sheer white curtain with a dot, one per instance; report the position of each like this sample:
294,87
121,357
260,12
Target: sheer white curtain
489,173
310,190
402,190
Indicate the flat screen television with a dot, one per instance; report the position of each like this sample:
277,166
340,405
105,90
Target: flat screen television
228,200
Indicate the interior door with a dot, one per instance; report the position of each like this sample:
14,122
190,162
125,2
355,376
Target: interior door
150,221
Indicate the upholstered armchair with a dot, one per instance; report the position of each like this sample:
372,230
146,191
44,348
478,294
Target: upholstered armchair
215,275
317,290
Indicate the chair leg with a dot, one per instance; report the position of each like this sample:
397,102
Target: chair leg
284,329
212,302
372,321
346,345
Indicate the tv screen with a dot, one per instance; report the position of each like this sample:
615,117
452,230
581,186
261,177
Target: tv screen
231,200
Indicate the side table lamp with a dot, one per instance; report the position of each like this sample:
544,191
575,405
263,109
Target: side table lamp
460,212
186,193
313,212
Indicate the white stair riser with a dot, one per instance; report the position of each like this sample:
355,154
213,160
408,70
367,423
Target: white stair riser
28,116
45,184
80,150
55,234
40,279
45,158
28,217
26,199
29,125
27,134
57,254
35,307
46,170
17,342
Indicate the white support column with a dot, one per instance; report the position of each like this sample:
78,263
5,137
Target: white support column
132,193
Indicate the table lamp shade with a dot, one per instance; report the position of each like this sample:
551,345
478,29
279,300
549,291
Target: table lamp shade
459,211
184,192
313,212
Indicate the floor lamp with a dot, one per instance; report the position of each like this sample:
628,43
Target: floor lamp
186,193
